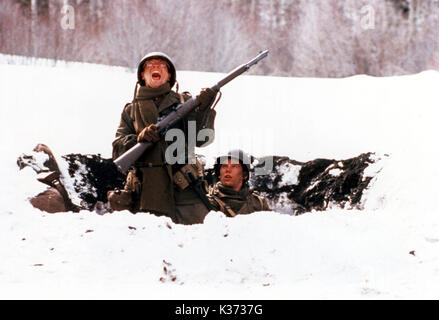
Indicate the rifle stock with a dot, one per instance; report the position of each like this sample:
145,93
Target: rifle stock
125,161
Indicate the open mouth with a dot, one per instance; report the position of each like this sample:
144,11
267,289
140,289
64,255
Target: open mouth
156,75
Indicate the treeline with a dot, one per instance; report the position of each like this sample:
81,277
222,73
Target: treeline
314,38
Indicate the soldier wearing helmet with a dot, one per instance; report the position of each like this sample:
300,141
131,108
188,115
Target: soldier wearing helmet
232,194
153,185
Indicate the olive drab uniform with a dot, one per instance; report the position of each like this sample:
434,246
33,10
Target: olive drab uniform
151,185
233,202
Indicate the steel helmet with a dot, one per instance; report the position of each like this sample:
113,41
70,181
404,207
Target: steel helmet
157,55
244,159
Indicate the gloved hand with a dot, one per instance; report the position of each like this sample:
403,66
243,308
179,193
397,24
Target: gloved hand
206,97
149,134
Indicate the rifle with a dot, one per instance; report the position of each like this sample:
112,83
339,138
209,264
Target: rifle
125,161
197,186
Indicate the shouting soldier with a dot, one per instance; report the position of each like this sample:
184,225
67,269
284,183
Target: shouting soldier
232,194
153,184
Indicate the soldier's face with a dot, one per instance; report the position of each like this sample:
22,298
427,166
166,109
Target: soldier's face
155,73
231,174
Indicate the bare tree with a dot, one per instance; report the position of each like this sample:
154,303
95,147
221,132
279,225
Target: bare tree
319,38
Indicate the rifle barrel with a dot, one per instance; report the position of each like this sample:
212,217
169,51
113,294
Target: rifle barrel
125,161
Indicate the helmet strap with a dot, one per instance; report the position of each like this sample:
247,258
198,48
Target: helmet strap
135,90
177,86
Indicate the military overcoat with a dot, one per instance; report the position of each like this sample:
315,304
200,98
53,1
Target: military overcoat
233,202
156,176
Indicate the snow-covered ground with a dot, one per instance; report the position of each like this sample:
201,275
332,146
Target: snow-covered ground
388,250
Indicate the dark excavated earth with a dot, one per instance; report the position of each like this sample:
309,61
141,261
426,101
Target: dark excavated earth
291,186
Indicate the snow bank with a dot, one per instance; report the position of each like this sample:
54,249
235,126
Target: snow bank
388,250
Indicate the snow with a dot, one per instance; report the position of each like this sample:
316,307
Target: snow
289,174
335,172
69,182
388,250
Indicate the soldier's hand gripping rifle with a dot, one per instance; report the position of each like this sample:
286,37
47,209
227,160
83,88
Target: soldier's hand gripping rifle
125,161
